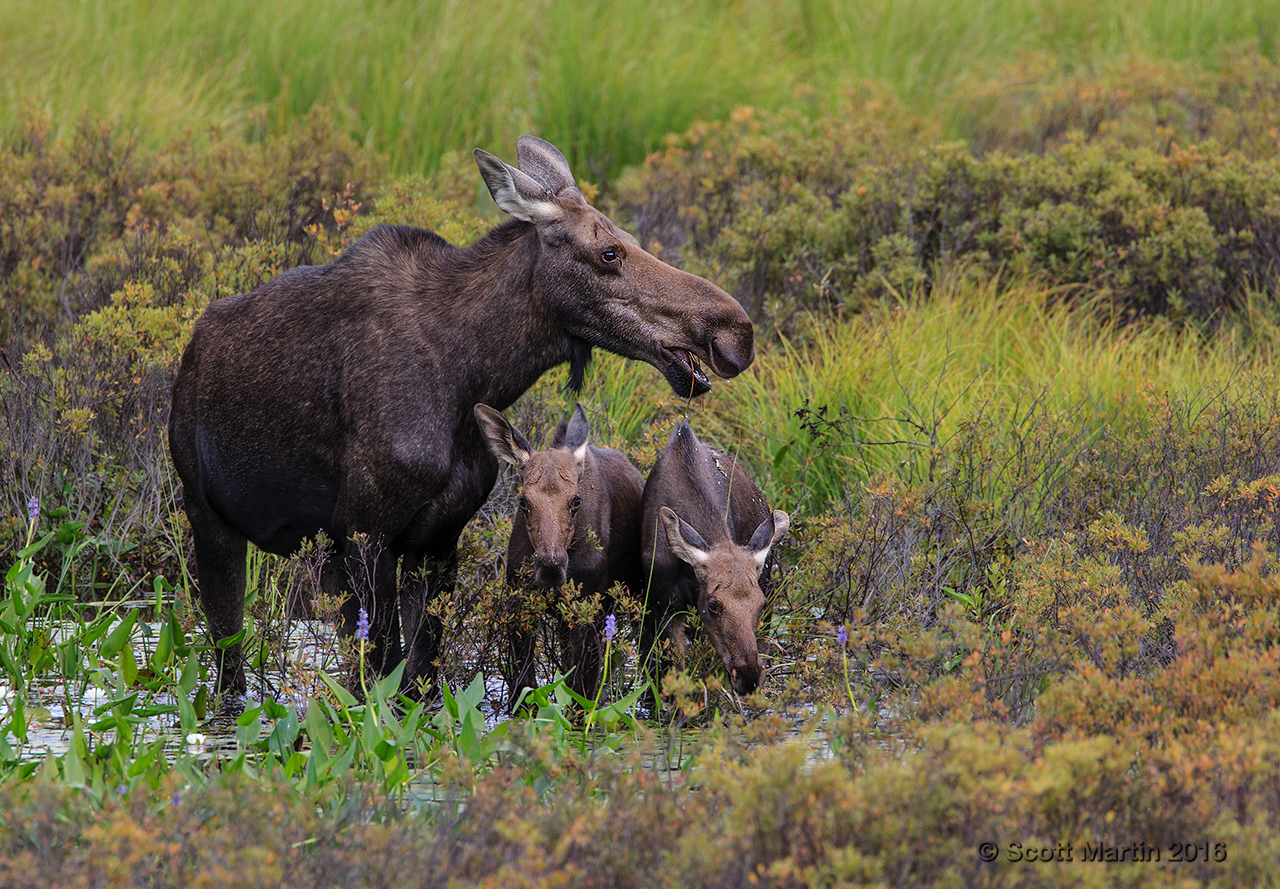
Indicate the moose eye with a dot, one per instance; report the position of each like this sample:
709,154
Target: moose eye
575,503
609,256
713,607
522,504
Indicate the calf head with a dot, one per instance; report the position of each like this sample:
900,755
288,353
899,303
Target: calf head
549,499
729,595
606,290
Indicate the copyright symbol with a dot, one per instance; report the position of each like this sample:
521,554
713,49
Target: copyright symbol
988,851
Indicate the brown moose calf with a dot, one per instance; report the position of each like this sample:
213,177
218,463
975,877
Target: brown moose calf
706,545
579,520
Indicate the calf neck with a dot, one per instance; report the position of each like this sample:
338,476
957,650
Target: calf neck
339,398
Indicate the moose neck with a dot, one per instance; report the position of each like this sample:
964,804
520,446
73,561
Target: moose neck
504,336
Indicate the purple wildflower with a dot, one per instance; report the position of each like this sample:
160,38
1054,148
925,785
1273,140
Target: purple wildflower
177,798
610,627
121,790
33,509
362,626
842,636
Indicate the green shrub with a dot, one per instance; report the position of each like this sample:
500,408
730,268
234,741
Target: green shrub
798,215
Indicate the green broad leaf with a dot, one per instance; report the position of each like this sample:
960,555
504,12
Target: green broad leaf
68,532
370,732
164,649
11,669
190,674
128,665
201,703
385,751
474,694
104,725
224,644
73,773
248,716
94,631
18,719
344,697
179,637
139,766
450,702
274,709
186,715
32,548
469,733
112,645
342,762
319,728
284,734
118,705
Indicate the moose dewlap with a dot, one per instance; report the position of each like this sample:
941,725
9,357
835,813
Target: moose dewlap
707,539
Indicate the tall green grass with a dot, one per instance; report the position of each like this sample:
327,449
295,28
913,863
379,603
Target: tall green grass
605,80
908,377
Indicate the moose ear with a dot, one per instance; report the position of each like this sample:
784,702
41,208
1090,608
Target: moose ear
544,162
515,192
766,537
575,434
503,439
684,539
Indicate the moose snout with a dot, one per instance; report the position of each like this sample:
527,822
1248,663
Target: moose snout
551,570
732,353
745,677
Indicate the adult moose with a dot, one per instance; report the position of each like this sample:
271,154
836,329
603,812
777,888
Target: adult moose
706,546
339,398
579,520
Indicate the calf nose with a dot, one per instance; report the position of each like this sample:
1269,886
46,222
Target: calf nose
745,679
551,572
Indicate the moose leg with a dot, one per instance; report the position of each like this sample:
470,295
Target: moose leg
582,651
371,586
220,555
519,668
422,581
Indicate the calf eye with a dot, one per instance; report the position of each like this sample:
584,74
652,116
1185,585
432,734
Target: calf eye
713,607
575,503
609,256
522,504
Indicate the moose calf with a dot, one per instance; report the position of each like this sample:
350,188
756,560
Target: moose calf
706,543
578,520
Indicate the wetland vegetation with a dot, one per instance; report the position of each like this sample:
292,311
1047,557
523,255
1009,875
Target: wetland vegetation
1013,273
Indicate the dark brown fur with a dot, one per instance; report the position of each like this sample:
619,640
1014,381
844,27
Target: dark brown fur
706,546
339,398
579,520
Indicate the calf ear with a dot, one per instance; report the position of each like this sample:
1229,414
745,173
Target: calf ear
575,434
503,439
684,539
766,537
515,192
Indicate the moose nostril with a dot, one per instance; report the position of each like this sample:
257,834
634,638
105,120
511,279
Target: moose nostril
732,355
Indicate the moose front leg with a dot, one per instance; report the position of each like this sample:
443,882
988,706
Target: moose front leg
370,575
422,581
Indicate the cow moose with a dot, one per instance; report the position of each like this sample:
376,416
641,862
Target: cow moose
707,540
578,519
339,398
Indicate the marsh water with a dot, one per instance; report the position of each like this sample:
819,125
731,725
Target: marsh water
308,648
